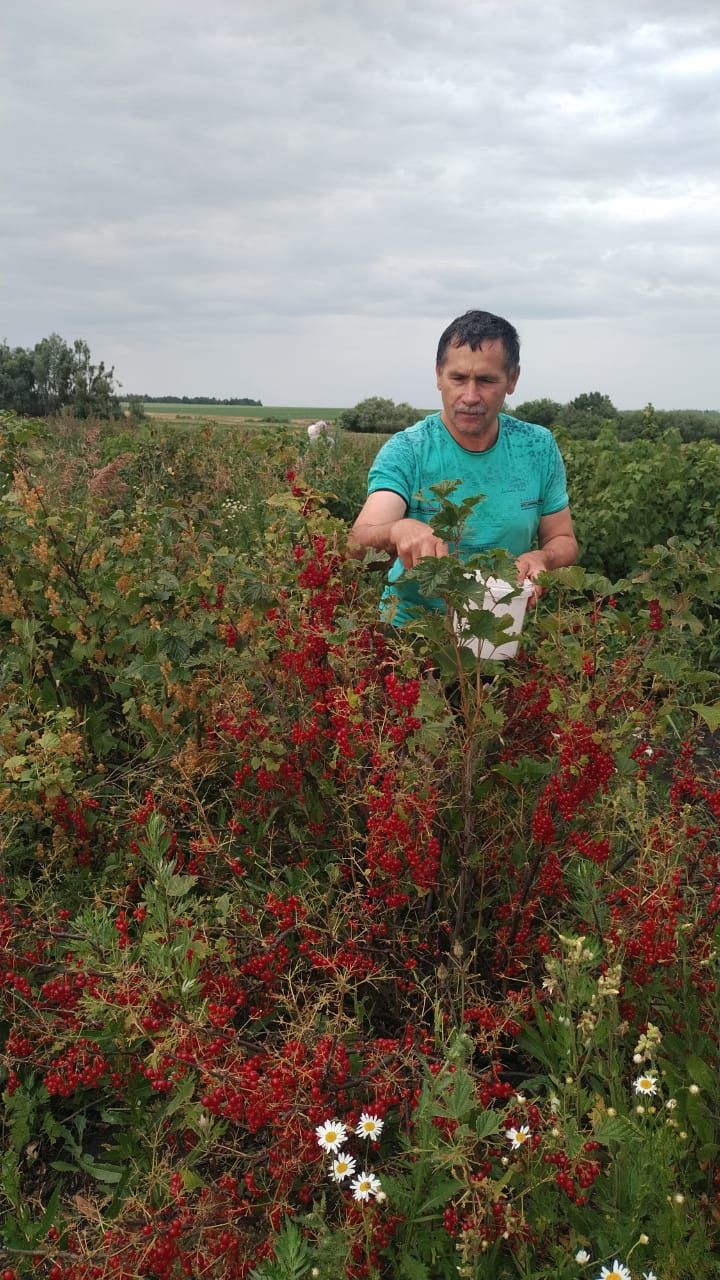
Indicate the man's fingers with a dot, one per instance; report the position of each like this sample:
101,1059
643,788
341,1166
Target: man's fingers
414,551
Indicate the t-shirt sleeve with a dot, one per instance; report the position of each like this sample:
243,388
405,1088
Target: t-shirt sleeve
394,469
555,494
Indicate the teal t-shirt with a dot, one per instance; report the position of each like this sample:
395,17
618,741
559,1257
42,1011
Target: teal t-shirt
522,477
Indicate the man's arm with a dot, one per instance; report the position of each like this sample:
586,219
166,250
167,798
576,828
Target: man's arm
558,546
383,526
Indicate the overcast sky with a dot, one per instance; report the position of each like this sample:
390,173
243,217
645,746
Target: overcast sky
290,199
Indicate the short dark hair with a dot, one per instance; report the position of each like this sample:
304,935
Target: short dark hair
476,327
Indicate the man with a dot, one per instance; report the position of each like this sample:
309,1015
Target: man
516,466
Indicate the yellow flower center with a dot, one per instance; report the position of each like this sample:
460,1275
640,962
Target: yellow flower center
520,1136
330,1135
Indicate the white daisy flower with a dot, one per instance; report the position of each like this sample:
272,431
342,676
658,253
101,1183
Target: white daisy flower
649,1275
369,1126
518,1137
645,1084
342,1167
331,1135
365,1186
616,1272
582,1256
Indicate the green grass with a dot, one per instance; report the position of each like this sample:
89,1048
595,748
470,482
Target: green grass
287,413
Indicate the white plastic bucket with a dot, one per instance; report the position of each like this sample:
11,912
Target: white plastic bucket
499,600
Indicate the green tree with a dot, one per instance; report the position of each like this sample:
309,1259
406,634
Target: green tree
545,412
93,386
587,414
53,373
594,402
17,381
136,409
378,414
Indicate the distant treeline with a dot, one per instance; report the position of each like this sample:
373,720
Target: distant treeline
692,424
196,400
585,417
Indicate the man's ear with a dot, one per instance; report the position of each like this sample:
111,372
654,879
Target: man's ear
513,381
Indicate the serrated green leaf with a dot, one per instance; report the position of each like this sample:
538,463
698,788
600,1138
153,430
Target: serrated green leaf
487,1123
178,885
573,577
614,1129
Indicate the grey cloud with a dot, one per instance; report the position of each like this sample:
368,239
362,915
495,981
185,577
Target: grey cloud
192,174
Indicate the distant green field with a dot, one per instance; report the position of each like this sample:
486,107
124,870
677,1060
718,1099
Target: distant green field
287,413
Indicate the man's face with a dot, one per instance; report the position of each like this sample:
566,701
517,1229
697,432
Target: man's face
473,386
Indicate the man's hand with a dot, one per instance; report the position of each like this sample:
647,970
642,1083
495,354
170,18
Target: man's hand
558,547
412,540
530,565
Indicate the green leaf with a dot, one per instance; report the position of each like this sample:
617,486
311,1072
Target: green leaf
14,762
182,1094
412,1268
487,1123
178,885
615,1129
536,1046
440,1194
701,1074
101,1172
700,1118
526,769
573,577
459,1101
710,714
